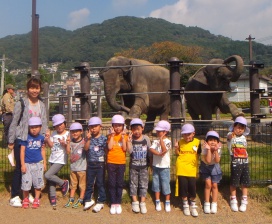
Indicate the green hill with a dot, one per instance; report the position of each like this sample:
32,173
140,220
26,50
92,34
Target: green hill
96,43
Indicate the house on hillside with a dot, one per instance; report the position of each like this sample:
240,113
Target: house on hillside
240,90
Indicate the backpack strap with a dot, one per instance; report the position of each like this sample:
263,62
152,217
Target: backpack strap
22,110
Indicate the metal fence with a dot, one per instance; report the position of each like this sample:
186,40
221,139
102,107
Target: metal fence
259,150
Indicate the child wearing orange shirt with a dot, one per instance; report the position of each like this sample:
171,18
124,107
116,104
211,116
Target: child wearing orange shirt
116,162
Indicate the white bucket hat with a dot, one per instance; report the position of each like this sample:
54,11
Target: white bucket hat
213,134
58,119
34,121
76,126
243,121
136,121
94,121
118,119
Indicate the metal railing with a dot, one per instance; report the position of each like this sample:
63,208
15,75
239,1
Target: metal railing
259,150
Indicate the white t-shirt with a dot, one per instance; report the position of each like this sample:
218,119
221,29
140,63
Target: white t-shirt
58,152
161,161
204,152
237,142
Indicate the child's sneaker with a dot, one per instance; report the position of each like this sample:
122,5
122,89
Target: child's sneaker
186,210
36,203
158,206
69,203
243,206
194,212
167,206
234,205
65,187
207,209
118,209
88,205
53,201
98,207
15,202
143,207
25,203
113,209
214,208
135,206
77,204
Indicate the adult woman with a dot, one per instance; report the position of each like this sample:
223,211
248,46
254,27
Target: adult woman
33,107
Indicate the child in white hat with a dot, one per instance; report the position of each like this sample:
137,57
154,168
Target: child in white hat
160,149
58,157
187,150
210,170
75,147
33,162
95,147
237,145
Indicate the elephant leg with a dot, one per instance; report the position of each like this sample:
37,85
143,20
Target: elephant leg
149,123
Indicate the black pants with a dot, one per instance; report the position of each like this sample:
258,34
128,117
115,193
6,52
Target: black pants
7,118
17,175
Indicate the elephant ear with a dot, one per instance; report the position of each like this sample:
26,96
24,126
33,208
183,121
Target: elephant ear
127,73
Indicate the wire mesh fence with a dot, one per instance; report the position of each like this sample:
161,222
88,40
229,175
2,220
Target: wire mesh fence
259,150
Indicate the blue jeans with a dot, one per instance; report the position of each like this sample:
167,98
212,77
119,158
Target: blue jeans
116,174
95,175
17,175
161,180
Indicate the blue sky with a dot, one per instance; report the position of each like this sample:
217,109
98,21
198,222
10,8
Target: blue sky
230,18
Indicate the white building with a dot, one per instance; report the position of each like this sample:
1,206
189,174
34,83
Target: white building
241,89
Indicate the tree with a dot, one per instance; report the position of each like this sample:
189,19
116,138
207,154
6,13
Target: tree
161,52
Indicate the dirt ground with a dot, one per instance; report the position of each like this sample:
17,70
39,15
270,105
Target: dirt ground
256,213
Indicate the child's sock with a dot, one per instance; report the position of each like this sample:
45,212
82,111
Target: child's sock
244,197
232,197
72,199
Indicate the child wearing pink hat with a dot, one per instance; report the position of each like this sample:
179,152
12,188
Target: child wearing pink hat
58,157
210,170
237,145
188,149
33,162
160,150
75,147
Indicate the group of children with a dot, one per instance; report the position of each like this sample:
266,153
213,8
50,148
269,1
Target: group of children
92,155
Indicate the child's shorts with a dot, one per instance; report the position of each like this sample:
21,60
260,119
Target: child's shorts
239,169
212,172
33,175
78,178
161,180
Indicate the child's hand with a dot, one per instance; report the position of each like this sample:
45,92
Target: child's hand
88,134
130,136
206,145
47,134
176,144
62,141
23,168
68,139
111,131
44,166
232,135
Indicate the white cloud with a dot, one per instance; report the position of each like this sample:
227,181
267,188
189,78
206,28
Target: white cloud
230,18
120,4
78,19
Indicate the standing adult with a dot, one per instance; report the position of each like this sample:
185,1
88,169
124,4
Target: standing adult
7,107
33,107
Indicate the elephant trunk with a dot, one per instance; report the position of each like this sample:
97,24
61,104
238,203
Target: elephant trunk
237,70
111,88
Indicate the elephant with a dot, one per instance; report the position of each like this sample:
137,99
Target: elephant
129,75
213,77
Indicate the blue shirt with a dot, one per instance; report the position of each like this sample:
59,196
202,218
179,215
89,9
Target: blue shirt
96,151
33,148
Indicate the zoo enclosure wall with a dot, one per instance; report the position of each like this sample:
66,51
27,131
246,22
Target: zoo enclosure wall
259,150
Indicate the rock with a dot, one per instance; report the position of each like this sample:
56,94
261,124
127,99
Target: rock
270,189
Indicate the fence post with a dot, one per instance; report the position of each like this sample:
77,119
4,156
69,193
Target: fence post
255,98
46,98
99,109
175,98
69,106
85,87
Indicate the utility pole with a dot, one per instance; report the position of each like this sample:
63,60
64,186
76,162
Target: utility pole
2,74
250,46
35,41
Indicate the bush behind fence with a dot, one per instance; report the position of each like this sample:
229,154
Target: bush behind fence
259,150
